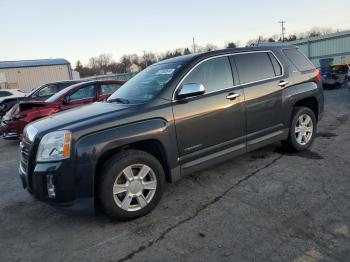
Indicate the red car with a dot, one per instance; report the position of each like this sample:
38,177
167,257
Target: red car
20,115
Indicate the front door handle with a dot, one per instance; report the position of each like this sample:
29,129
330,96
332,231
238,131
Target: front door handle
232,96
283,83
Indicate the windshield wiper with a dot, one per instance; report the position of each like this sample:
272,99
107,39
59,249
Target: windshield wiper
119,100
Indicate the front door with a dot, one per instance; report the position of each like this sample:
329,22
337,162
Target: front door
81,96
213,124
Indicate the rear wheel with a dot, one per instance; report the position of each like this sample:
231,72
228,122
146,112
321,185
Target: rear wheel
131,185
302,130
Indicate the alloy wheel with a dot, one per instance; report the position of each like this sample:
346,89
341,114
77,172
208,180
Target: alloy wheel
134,187
303,129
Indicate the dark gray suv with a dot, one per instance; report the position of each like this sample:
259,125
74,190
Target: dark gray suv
175,117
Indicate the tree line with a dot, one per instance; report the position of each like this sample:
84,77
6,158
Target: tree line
105,64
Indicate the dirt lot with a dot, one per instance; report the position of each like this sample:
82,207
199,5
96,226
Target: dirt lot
264,206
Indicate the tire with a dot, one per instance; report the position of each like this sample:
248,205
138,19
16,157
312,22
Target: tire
293,143
122,192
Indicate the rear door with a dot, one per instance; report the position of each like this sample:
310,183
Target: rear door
106,89
263,79
81,96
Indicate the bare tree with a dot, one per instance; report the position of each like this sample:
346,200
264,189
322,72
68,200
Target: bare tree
231,45
104,63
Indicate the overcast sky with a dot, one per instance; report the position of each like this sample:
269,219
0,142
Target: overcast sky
33,29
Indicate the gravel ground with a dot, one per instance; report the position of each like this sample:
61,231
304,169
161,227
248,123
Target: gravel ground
265,206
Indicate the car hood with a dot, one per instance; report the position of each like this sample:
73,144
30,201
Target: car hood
6,98
25,105
81,118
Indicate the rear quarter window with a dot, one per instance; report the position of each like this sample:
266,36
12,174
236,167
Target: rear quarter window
298,60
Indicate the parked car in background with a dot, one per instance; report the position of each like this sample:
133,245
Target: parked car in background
174,118
336,75
83,93
7,95
41,93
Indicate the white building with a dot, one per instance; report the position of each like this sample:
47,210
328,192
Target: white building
28,74
335,47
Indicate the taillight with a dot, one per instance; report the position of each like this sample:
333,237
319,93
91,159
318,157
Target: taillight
318,75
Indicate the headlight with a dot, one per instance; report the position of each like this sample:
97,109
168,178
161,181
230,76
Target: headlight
55,146
18,117
30,132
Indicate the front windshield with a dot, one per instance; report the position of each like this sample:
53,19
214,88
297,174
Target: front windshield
146,84
34,90
54,97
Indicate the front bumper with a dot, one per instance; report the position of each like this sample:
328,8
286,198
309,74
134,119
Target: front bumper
11,129
72,194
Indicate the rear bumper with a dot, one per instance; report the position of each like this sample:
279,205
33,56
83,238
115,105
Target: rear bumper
70,194
334,82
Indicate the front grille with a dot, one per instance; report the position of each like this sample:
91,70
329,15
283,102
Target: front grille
25,150
25,162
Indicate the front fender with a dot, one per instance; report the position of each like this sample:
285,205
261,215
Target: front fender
89,148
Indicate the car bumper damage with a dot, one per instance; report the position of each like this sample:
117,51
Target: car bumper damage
8,130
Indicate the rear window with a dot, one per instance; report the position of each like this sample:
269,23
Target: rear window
254,67
107,89
298,60
5,93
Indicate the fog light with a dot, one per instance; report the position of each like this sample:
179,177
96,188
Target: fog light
50,186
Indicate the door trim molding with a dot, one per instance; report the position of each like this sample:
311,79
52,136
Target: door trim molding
212,148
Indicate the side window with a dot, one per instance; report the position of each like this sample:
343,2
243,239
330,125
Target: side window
5,93
254,67
48,90
85,92
107,89
276,65
215,74
298,59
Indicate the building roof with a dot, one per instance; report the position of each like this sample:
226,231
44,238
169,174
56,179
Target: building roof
336,35
33,63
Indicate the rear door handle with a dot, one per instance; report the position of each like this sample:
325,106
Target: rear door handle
283,83
232,96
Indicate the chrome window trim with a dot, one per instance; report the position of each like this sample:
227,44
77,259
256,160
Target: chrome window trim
227,55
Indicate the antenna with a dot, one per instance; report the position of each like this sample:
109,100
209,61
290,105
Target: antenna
194,46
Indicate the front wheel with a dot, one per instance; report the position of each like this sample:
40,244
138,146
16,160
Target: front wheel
131,185
302,130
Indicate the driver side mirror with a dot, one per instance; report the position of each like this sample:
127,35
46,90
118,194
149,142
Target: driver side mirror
189,90
66,100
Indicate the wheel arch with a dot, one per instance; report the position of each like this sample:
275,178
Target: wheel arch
152,146
309,102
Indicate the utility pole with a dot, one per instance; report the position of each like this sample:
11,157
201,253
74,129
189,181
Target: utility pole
194,45
283,29
145,58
